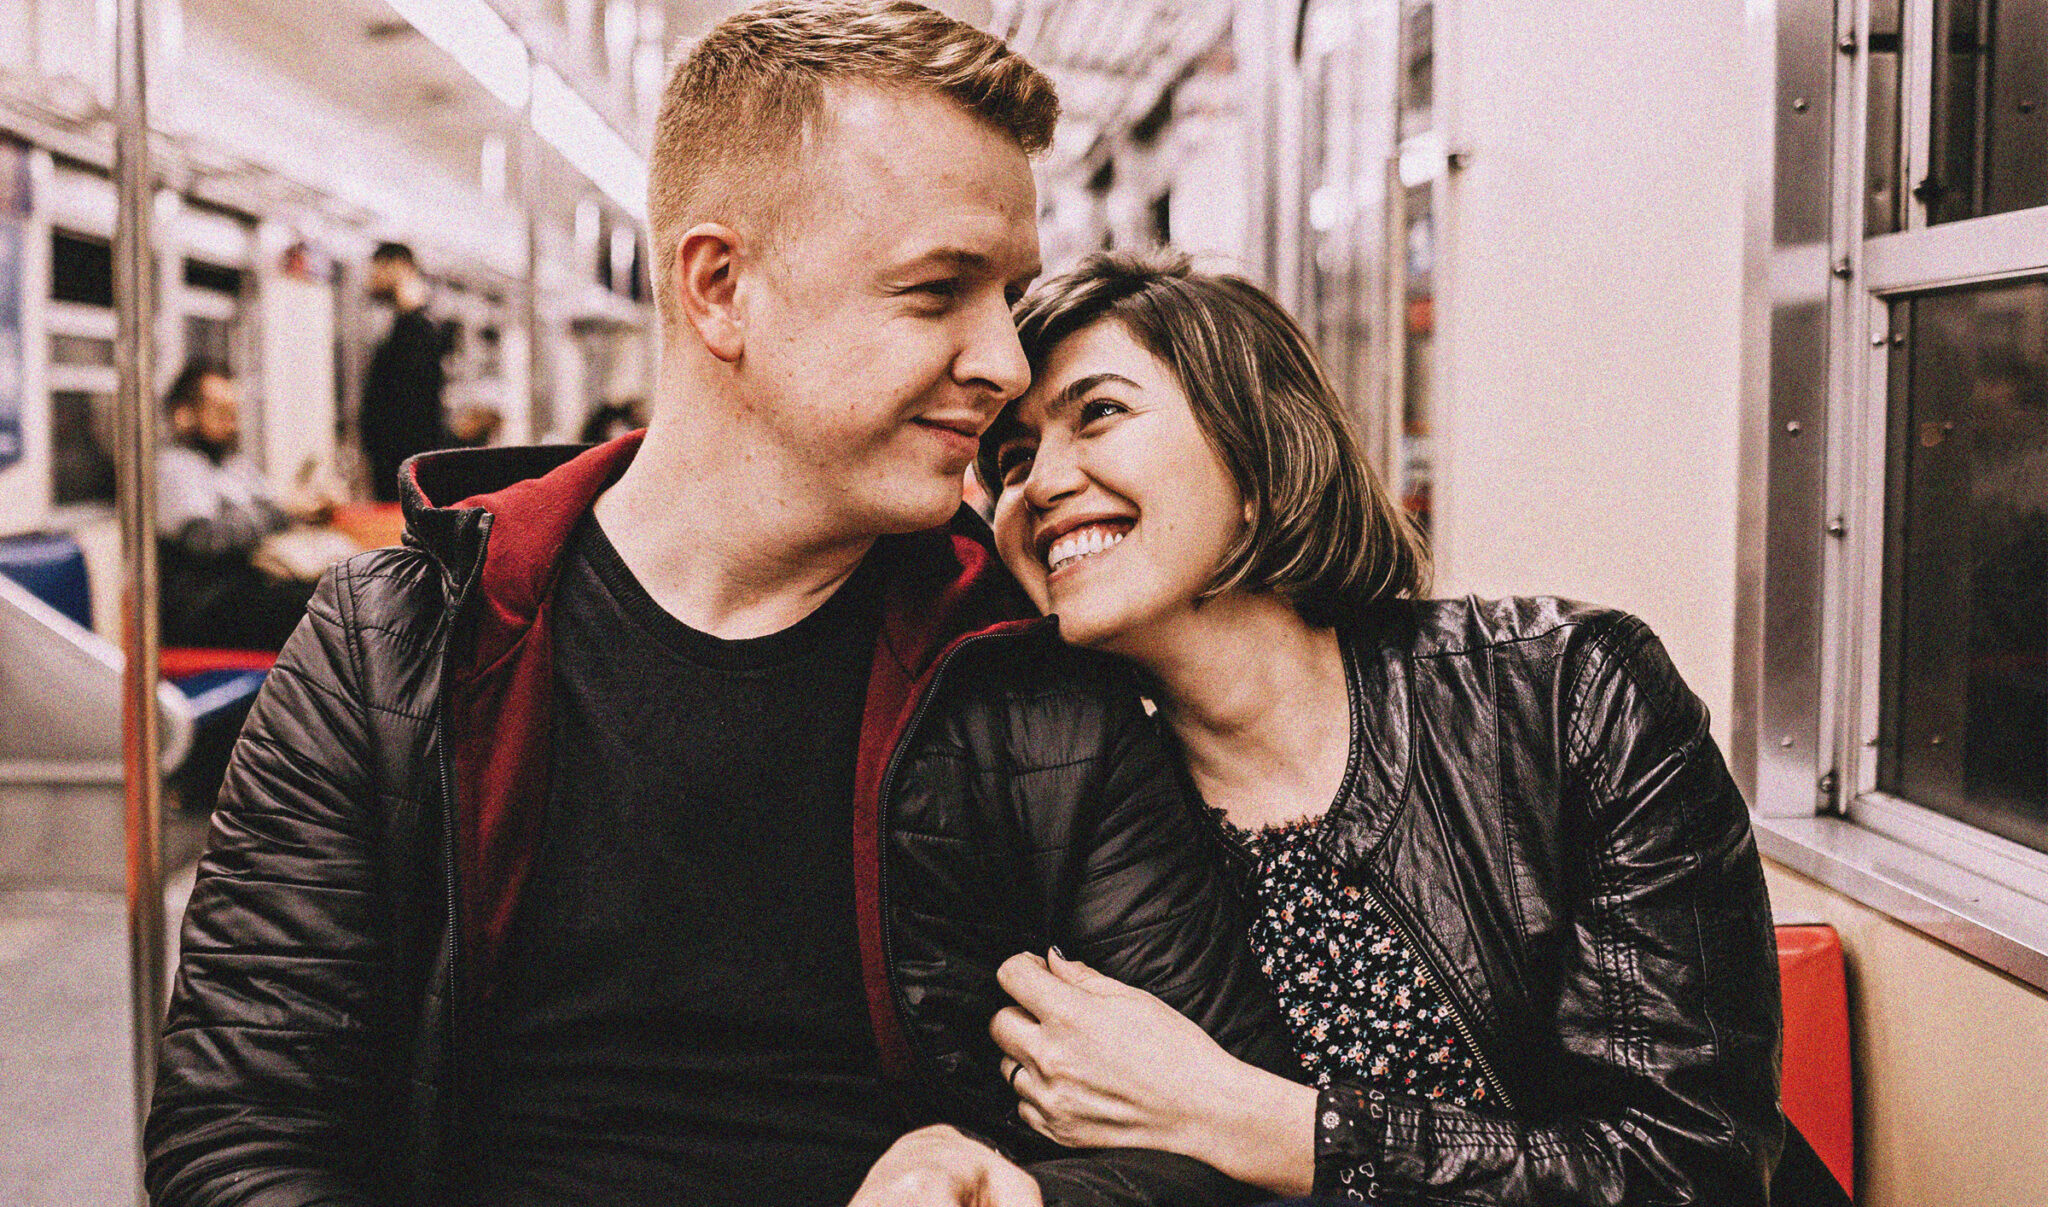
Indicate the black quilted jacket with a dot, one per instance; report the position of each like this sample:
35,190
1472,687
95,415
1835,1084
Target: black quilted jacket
1544,817
376,819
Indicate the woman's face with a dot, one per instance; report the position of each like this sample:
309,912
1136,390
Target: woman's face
1114,510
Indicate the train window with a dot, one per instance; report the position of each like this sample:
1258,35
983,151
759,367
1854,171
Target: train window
1964,726
1901,717
1418,67
81,350
214,277
209,338
81,269
1989,91
81,431
1884,202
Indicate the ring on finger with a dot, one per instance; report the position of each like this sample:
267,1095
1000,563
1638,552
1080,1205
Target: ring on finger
1016,1068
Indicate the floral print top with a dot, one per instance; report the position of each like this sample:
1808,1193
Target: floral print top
1358,1001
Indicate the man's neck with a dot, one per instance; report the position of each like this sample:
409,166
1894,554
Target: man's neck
724,554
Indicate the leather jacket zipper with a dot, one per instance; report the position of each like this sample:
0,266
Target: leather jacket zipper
1378,904
1441,985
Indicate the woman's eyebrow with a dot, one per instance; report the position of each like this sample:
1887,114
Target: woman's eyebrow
1080,387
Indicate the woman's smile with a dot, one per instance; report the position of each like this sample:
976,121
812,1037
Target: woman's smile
1114,509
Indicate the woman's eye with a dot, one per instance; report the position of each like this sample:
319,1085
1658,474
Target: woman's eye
943,290
1100,408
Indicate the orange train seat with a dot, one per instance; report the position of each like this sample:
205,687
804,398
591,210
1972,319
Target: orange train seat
1818,1092
371,525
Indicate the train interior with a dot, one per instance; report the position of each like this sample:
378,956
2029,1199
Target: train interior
1731,315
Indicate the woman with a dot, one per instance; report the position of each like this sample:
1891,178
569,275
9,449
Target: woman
1502,884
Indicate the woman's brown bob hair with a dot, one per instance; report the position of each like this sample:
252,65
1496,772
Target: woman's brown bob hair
1324,532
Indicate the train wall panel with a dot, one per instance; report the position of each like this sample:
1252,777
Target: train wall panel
1947,1058
1590,315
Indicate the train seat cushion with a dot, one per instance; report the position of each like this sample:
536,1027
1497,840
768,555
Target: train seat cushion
51,566
179,663
1818,1094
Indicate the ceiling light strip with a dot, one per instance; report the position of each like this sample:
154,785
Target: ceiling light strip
480,41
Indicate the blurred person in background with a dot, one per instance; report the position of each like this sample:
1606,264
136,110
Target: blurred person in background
214,511
651,827
402,390
614,419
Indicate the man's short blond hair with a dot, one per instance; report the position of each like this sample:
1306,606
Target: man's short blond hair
739,111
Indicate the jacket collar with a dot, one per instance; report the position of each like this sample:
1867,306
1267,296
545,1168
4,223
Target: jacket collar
498,519
1379,643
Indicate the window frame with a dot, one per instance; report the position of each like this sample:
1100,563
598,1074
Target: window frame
1966,886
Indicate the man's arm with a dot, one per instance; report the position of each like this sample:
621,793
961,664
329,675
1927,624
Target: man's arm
1086,841
192,512
1152,910
275,1060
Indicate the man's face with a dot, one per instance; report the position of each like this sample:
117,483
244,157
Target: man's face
214,421
879,341
383,278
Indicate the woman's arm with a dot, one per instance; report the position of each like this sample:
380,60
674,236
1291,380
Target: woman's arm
1666,1018
1666,1014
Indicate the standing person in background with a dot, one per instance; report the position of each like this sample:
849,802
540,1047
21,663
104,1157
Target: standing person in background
402,391
213,510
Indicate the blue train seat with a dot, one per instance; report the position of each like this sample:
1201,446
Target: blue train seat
52,567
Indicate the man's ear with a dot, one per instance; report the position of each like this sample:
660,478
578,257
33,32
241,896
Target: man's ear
702,280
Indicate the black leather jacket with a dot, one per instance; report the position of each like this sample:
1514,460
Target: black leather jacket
1011,794
1541,813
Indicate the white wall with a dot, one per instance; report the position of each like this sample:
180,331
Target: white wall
1589,314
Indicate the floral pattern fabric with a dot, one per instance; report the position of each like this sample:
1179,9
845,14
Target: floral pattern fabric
1358,1001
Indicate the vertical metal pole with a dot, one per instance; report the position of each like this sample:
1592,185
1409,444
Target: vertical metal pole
539,393
135,457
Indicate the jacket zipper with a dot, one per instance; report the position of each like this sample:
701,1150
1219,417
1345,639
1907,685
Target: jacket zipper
449,1073
448,878
1377,903
1442,987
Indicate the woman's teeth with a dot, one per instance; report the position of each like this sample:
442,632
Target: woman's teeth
1082,542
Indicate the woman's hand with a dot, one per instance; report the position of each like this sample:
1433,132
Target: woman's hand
939,1166
1099,1064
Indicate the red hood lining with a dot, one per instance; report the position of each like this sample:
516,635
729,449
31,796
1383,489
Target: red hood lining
943,585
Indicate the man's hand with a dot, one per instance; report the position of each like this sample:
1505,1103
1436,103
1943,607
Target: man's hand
939,1167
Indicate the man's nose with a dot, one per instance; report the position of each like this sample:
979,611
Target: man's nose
993,358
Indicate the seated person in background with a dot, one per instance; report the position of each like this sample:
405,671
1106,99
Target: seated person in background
213,510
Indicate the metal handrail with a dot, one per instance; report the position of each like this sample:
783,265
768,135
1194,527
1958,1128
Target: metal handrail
135,461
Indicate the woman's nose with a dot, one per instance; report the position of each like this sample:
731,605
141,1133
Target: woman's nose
1056,474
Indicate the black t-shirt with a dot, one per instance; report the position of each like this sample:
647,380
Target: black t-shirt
681,1018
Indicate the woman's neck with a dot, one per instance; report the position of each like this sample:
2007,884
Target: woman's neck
1257,698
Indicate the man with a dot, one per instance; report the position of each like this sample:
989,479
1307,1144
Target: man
213,510
532,881
401,413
